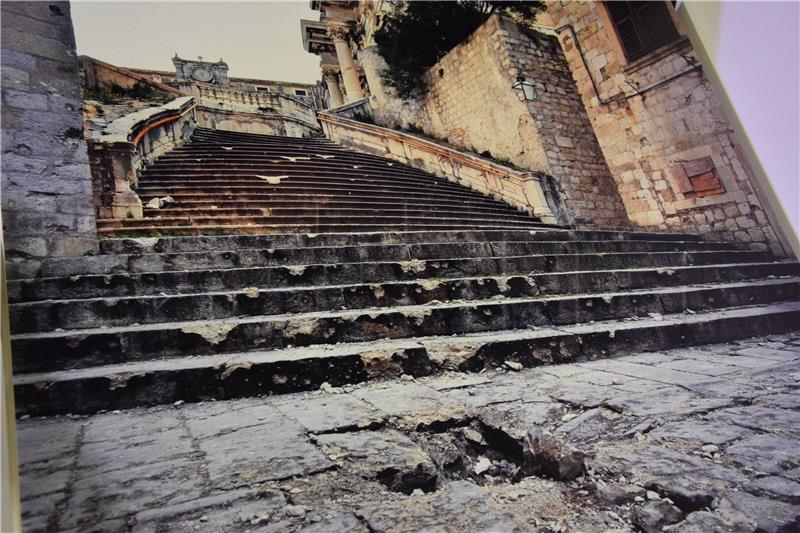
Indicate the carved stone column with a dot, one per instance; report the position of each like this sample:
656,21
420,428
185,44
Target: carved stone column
352,85
334,93
372,63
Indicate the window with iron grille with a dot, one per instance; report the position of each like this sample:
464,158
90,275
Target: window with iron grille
641,26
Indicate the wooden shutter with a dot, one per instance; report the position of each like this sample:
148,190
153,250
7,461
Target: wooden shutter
641,26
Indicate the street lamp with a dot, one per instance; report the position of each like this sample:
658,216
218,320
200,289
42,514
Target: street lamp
526,89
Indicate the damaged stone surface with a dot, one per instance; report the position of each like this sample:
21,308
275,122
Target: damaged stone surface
496,451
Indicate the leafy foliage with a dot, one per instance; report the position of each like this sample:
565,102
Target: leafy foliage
418,34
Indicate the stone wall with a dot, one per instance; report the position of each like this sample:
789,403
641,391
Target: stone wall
470,104
46,185
672,151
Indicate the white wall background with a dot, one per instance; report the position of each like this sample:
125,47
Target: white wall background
755,50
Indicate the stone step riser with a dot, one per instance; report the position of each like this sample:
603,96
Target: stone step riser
318,188
315,200
327,197
312,219
349,273
84,348
254,229
121,263
324,211
45,316
324,203
202,177
304,240
196,383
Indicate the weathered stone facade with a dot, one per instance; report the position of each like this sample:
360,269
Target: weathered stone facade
46,186
471,104
654,142
650,145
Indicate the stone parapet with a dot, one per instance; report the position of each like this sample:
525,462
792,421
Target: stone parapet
255,102
125,146
532,192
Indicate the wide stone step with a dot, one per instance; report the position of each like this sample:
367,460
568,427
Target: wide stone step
253,257
326,202
320,186
269,229
81,348
251,301
311,199
304,240
354,218
325,211
181,281
235,375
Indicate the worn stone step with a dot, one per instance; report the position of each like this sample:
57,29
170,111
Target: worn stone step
35,352
171,282
210,175
250,301
323,202
177,210
269,229
317,187
354,218
226,376
252,257
303,240
312,200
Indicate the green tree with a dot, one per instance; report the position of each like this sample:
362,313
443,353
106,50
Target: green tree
415,35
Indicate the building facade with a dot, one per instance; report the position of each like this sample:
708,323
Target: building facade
633,133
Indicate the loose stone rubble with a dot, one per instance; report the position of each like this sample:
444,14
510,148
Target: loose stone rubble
696,439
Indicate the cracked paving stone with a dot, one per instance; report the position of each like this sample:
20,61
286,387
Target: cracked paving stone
768,353
458,506
116,494
776,486
401,399
700,431
47,440
773,420
762,514
243,510
329,412
582,394
707,368
668,402
517,418
652,373
596,424
343,523
675,473
767,454
253,445
387,456
780,399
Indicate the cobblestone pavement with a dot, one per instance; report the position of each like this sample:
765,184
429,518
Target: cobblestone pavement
701,439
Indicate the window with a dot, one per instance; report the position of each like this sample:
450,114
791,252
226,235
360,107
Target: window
641,26
703,178
299,92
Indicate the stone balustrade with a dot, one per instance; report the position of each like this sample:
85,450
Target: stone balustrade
120,150
252,102
532,192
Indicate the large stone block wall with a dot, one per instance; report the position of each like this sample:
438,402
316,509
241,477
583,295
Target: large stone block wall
651,141
46,185
471,104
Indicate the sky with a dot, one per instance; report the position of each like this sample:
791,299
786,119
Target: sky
256,39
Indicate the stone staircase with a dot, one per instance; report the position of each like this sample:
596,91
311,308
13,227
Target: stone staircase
226,182
332,295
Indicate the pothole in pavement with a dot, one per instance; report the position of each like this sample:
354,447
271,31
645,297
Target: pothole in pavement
474,451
